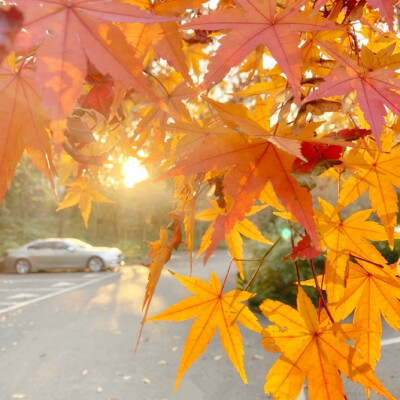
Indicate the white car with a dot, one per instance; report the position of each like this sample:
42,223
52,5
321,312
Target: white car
44,254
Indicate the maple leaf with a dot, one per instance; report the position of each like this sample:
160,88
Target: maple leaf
371,290
319,157
164,37
374,86
101,95
172,90
82,192
304,250
21,108
386,8
10,24
233,238
257,125
160,251
376,172
69,32
312,350
253,163
342,238
255,22
213,310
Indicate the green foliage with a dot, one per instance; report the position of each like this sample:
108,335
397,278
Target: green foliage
391,255
276,279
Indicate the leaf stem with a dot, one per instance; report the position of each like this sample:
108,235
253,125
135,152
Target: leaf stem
158,80
320,291
365,260
295,261
261,261
226,276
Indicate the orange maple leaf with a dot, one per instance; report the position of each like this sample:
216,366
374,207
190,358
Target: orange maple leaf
22,123
371,290
342,238
173,91
312,350
213,310
376,172
255,22
160,252
253,162
77,34
233,239
164,37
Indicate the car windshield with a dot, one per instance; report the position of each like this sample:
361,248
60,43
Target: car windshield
80,243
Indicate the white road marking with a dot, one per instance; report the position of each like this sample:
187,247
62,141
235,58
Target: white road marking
53,294
22,296
387,342
62,284
45,279
46,289
7,303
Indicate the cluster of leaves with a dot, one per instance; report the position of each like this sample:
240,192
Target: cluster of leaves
295,93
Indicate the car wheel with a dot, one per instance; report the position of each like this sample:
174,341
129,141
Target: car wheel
22,266
95,264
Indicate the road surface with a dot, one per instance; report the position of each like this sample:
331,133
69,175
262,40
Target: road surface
71,336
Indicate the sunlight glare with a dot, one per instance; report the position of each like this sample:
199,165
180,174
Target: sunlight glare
134,172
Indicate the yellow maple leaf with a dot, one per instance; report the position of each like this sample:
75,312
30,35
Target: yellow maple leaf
213,310
312,350
82,192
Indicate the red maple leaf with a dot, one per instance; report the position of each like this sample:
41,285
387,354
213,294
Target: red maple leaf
10,24
374,88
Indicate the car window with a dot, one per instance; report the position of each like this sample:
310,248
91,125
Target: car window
40,246
60,245
80,243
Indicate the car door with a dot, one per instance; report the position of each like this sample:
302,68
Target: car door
41,254
67,255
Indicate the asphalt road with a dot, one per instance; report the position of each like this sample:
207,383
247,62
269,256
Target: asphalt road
71,336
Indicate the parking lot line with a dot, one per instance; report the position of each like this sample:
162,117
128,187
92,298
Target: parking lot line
387,342
56,293
19,289
16,279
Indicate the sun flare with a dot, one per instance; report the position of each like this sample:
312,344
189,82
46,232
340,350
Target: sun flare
134,172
